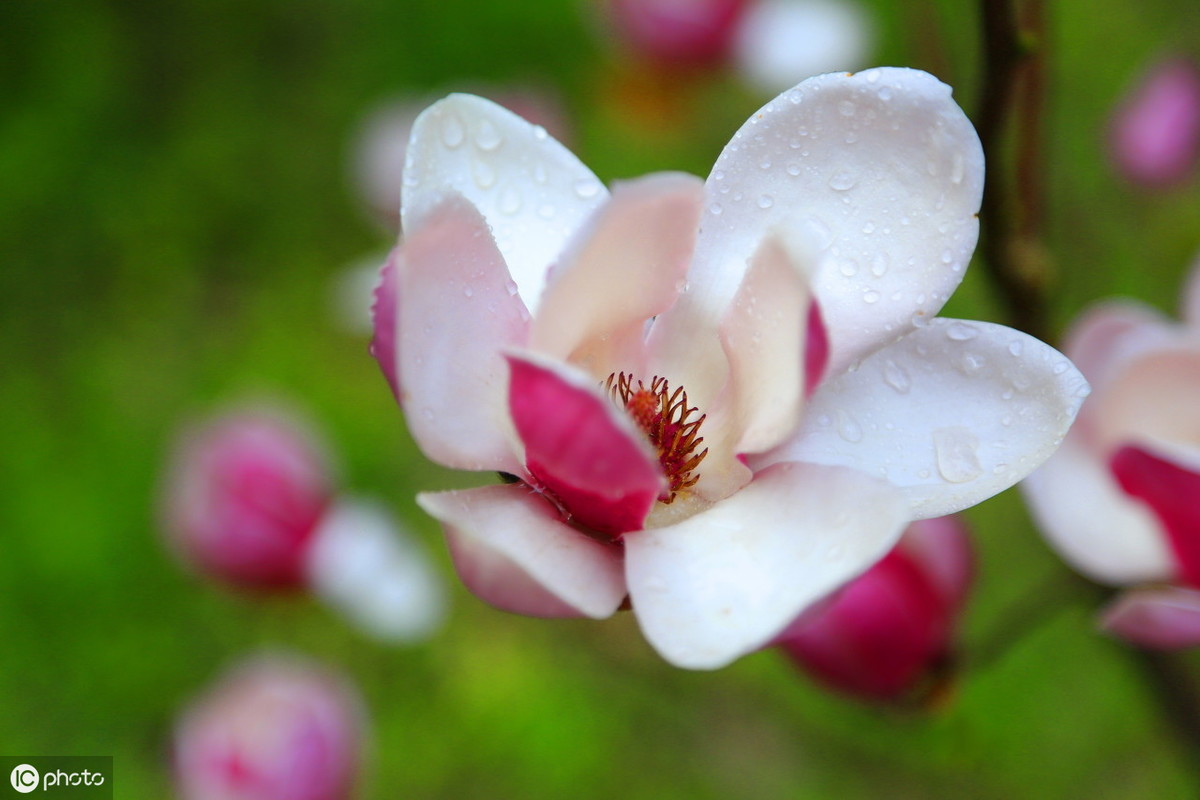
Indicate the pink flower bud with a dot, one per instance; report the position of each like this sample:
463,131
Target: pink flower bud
243,497
889,631
384,319
679,32
273,729
1156,129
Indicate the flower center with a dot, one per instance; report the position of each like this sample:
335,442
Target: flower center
669,424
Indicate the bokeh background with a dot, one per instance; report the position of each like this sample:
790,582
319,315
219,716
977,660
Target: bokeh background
175,205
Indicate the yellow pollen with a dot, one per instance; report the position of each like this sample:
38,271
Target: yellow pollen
668,422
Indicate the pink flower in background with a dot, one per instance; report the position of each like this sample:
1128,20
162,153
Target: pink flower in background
1155,137
677,32
644,363
250,503
271,729
889,632
1120,500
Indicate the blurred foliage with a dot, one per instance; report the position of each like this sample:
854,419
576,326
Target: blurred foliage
173,206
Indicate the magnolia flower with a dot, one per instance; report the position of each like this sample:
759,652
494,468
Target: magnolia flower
1120,501
888,633
1155,136
723,399
250,503
272,729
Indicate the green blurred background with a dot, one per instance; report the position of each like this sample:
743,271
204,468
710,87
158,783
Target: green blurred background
174,205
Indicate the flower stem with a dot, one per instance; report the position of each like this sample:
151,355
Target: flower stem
1011,100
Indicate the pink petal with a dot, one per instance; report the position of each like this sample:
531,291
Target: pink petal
1109,335
1156,131
693,32
894,209
533,192
457,309
1173,493
511,550
1152,401
1165,618
941,546
624,267
383,317
880,635
726,581
584,451
951,414
816,349
763,340
1091,523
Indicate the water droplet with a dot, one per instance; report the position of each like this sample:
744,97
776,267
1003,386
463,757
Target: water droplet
715,209
848,267
486,136
869,228
539,174
545,211
539,133
957,453
586,188
510,201
793,169
970,363
872,76
871,296
766,201
842,180
452,131
718,175
485,176
896,377
848,427
764,164
851,137
957,169
427,413
885,93
961,331
947,256
796,97
1015,348
847,108
1061,367
879,264
510,286
468,291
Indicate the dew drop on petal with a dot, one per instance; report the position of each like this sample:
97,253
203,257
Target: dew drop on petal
546,211
452,131
848,427
766,201
1014,348
879,264
486,136
793,169
871,296
848,267
586,188
510,286
896,377
484,174
510,201
957,169
539,133
961,331
715,209
957,452
842,180
847,108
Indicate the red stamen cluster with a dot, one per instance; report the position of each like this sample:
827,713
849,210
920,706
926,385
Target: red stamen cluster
663,415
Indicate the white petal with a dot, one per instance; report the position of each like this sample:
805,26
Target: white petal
952,414
780,42
1109,335
1092,524
456,310
362,563
725,581
626,266
883,168
511,550
531,190
1154,400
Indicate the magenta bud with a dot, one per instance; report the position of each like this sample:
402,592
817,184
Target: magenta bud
682,33
886,634
272,729
1156,128
384,321
243,496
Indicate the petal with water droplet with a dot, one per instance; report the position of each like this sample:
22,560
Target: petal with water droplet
841,187
499,173
944,442
726,581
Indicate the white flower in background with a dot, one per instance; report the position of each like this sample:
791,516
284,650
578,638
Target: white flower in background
1120,500
779,42
722,399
